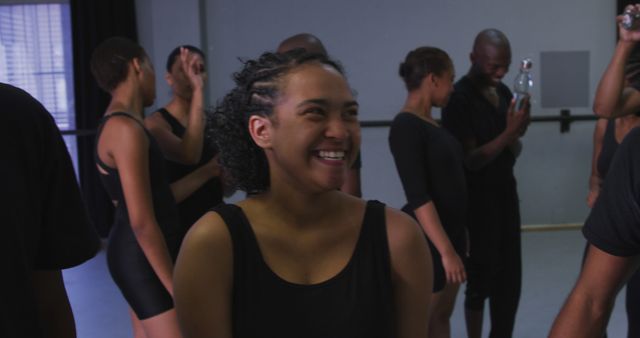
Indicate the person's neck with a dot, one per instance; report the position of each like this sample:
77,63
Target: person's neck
127,100
299,207
419,105
179,108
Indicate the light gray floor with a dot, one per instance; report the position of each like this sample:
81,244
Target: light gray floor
551,262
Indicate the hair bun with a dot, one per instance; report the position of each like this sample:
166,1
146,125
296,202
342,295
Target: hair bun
402,71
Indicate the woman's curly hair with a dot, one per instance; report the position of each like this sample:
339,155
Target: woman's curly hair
257,88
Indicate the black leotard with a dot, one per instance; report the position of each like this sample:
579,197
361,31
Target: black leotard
127,263
430,163
356,303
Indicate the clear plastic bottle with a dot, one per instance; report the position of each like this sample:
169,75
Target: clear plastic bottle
523,82
630,19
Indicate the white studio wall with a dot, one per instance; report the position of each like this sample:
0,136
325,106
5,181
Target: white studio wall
370,38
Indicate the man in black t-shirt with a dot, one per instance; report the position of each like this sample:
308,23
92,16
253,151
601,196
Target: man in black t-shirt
480,114
45,227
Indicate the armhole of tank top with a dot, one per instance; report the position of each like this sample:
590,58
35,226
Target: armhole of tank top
101,166
99,161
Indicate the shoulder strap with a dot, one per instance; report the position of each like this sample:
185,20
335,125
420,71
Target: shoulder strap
376,252
231,214
238,226
176,127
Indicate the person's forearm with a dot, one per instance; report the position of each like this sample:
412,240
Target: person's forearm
609,92
152,242
191,182
194,131
429,220
594,183
479,157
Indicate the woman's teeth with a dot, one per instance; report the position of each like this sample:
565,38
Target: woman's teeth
331,155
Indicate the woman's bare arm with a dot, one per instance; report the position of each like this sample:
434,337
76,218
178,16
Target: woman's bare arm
188,149
203,280
129,146
429,220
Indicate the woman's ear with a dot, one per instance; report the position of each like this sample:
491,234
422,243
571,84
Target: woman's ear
137,65
260,130
433,79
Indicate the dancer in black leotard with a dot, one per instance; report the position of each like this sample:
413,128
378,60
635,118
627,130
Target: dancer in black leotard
145,238
430,163
179,129
613,225
298,258
607,136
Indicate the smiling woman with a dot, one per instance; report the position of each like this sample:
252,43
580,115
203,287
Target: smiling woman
298,257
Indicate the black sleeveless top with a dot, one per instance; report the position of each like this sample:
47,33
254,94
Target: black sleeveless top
164,205
209,194
609,148
356,303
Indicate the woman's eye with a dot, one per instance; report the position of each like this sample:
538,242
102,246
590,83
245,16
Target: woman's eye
314,111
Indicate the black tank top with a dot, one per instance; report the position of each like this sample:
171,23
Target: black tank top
356,303
163,201
209,194
609,148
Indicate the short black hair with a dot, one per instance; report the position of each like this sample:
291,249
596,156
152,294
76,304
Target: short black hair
421,62
110,61
256,91
176,52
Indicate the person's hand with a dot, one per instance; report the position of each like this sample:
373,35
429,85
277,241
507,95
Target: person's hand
193,68
629,35
518,120
453,268
213,167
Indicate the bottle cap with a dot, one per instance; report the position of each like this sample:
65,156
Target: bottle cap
526,63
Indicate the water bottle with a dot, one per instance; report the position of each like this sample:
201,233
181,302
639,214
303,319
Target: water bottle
630,19
523,83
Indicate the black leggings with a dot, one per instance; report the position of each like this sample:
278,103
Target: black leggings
494,268
500,281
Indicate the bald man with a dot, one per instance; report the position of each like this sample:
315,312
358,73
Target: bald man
312,44
480,114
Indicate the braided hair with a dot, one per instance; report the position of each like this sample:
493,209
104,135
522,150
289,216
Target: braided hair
258,85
